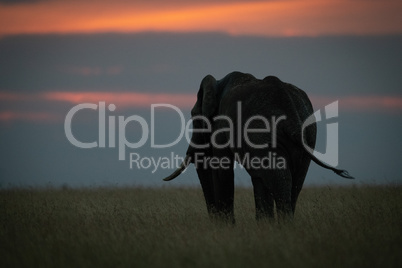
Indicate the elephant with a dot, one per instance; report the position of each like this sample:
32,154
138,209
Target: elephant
231,122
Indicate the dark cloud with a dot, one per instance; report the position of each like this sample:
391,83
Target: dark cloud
177,62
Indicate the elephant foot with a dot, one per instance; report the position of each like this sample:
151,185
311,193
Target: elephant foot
265,218
285,218
269,217
222,218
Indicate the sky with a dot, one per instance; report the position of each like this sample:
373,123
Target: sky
262,18
56,54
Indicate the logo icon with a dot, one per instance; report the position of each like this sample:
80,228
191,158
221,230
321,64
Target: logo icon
331,152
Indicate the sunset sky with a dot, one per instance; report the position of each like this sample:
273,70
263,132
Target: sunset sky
262,18
55,54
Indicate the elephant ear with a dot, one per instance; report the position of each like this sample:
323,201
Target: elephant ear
209,103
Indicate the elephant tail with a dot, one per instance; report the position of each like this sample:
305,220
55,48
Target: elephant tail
299,138
340,172
302,142
309,151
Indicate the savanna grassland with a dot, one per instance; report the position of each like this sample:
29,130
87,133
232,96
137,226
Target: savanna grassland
131,227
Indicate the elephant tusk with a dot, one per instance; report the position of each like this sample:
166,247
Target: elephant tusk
178,171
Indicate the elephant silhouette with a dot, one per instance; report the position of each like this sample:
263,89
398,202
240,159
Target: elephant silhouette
259,123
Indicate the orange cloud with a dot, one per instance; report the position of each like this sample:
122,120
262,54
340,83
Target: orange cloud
185,101
8,116
264,18
7,96
123,99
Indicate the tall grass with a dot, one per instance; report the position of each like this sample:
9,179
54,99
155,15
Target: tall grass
170,228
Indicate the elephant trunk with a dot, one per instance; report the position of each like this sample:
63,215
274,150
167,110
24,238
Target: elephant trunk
180,170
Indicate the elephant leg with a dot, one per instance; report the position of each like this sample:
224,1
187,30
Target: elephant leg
224,194
298,180
206,180
224,186
282,184
264,199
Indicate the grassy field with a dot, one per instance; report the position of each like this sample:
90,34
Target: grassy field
333,227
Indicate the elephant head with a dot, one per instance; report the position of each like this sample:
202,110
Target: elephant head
204,109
